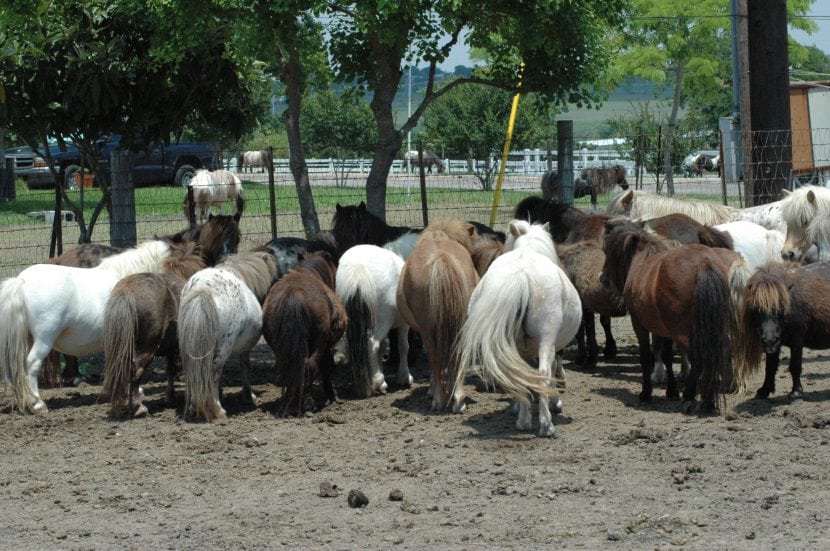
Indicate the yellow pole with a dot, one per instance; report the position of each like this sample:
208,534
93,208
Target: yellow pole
506,150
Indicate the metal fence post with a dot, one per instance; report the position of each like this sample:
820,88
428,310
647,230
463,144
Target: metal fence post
122,224
565,160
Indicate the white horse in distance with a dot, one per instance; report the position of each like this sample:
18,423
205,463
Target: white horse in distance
213,189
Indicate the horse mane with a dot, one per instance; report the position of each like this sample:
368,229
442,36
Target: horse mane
218,230
641,205
819,228
184,260
258,270
146,257
799,207
623,240
484,252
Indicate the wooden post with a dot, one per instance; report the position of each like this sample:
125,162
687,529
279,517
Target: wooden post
424,205
122,224
272,192
7,180
565,160
190,205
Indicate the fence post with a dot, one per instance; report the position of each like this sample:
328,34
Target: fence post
424,206
122,224
272,193
7,177
191,207
565,160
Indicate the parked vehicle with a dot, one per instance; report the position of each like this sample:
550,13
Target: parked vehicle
160,164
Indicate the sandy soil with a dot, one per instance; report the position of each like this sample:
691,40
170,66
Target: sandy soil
619,474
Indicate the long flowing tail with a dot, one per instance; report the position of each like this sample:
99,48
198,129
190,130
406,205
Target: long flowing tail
739,275
118,337
14,342
487,343
358,293
198,332
289,328
710,340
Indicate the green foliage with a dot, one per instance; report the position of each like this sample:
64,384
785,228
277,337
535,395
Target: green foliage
337,126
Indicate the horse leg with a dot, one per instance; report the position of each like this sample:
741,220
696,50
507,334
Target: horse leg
690,389
581,353
795,372
666,356
245,366
610,350
547,357
71,371
172,373
590,339
646,360
326,369
377,383
404,376
140,363
658,375
772,359
34,363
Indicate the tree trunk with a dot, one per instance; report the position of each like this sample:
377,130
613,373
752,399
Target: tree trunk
389,143
296,155
675,107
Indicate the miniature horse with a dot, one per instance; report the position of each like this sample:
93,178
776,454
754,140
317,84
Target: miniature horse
140,323
785,305
524,308
590,181
799,208
289,250
302,321
686,294
433,292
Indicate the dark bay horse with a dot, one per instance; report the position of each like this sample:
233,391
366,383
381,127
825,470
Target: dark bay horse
289,250
302,321
567,224
785,305
687,294
140,323
589,181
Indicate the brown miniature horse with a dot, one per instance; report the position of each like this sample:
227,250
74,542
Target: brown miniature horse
302,321
140,323
785,305
567,224
685,229
433,293
688,295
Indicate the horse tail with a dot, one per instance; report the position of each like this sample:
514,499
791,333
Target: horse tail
486,345
711,333
120,325
740,273
291,330
359,294
198,332
240,202
449,296
14,342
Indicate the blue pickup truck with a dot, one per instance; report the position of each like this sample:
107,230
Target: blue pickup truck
162,164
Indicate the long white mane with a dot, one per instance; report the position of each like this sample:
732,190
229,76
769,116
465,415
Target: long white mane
147,257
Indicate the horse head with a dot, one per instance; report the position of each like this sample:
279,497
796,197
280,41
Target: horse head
219,237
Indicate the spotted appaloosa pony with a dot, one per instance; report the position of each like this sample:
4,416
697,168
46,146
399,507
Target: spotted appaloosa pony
140,323
302,321
220,315
433,292
687,295
785,305
524,307
57,307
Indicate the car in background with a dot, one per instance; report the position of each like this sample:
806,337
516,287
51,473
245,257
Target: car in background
161,164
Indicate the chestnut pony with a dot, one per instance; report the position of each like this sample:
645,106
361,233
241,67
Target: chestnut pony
302,321
433,292
687,294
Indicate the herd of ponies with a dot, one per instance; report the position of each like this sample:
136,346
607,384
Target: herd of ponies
717,285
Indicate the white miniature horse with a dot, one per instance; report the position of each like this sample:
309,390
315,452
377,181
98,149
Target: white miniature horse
524,307
799,208
220,314
366,283
212,189
757,244
251,159
49,306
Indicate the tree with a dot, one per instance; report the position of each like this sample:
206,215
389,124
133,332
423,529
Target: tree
470,123
337,126
561,43
82,69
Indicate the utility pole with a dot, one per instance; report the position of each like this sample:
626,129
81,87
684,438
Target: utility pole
765,100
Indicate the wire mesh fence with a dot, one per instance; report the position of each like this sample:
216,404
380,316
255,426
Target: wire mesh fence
461,188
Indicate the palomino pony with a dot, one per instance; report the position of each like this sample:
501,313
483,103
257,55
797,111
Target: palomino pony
140,323
212,189
430,160
367,282
220,315
590,181
687,294
524,307
57,307
302,321
432,296
642,205
798,209
253,159
785,305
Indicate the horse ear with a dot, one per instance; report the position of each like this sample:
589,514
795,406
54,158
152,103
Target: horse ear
785,192
337,207
546,227
811,196
362,205
237,216
210,216
513,228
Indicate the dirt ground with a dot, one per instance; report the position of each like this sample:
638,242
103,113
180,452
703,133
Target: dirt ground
619,474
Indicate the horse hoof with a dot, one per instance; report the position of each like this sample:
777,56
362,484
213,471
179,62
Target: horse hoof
687,406
557,407
547,431
406,381
40,407
672,395
795,397
609,354
141,412
459,408
762,394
